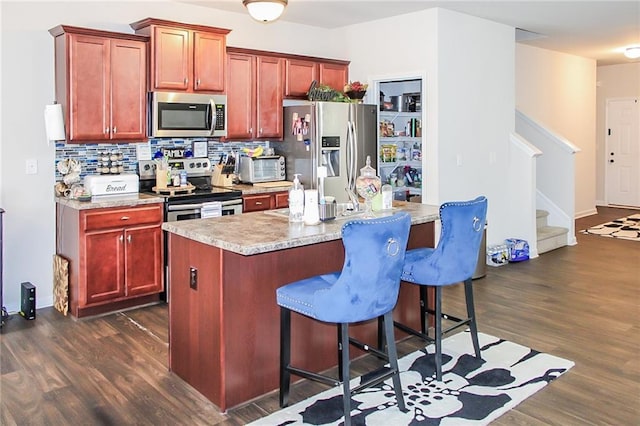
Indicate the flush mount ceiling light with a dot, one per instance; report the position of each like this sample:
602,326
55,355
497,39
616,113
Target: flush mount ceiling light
265,10
632,52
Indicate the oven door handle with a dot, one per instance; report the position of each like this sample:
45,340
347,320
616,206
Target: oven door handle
232,202
180,207
198,206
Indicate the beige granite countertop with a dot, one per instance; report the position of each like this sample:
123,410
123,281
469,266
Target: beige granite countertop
248,189
265,231
110,201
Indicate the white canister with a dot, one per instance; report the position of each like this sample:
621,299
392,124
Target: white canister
311,211
387,197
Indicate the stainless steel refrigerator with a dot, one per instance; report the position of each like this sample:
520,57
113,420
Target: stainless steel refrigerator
336,135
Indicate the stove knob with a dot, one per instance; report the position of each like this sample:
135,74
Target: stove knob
198,164
147,167
205,164
191,165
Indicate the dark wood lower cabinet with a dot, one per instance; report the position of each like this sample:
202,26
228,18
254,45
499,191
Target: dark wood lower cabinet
224,320
115,256
265,201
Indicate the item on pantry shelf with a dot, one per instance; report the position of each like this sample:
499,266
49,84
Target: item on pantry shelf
388,153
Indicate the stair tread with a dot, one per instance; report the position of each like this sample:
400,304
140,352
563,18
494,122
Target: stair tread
541,213
544,232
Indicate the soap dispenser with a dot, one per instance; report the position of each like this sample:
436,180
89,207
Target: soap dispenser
296,200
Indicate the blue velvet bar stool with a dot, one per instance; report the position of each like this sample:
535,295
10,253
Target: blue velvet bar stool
451,262
366,288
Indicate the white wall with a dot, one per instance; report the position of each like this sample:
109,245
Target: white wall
559,91
468,69
614,81
27,85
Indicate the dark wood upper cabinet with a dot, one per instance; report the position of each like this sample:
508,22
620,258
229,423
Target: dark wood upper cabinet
100,80
299,74
334,75
254,96
185,57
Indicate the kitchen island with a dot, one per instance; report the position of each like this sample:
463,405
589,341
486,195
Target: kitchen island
223,316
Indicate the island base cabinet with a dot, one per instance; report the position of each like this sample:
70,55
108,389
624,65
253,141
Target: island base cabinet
224,320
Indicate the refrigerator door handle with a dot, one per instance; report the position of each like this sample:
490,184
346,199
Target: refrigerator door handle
352,155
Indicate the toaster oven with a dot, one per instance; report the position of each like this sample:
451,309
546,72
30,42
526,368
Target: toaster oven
268,168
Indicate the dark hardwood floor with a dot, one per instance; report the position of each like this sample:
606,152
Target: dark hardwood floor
581,303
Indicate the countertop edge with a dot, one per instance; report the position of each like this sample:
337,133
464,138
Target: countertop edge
255,233
110,201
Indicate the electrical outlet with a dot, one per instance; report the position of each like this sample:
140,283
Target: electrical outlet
193,278
31,166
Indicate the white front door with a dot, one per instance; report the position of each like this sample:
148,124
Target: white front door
622,154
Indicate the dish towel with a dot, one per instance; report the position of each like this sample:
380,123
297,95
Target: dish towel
212,209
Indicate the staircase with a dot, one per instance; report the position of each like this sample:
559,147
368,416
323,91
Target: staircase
549,237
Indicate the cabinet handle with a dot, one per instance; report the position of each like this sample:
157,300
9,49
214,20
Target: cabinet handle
197,82
260,130
186,80
129,239
250,130
115,129
124,218
121,238
106,130
258,203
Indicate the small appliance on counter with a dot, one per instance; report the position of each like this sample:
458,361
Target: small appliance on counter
266,168
105,185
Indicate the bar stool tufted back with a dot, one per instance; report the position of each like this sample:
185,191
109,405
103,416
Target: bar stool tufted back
366,288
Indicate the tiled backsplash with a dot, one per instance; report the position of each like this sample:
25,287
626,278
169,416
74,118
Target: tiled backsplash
87,154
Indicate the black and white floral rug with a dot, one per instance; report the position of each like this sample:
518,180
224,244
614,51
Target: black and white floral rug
626,228
472,392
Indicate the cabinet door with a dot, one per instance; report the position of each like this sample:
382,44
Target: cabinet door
172,62
281,199
334,75
240,95
209,56
89,104
299,74
103,267
269,82
143,261
128,89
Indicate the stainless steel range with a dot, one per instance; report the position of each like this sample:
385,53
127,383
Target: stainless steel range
183,205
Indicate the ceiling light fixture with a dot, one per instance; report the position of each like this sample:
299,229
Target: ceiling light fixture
632,52
265,10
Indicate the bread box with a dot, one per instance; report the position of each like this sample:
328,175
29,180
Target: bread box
125,183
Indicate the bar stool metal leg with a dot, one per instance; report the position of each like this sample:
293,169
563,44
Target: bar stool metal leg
344,363
285,355
393,358
468,291
438,338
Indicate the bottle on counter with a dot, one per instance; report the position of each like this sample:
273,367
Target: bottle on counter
311,209
296,201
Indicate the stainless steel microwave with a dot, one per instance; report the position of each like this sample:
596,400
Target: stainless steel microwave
187,115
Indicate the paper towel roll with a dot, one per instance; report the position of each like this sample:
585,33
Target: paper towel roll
54,122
